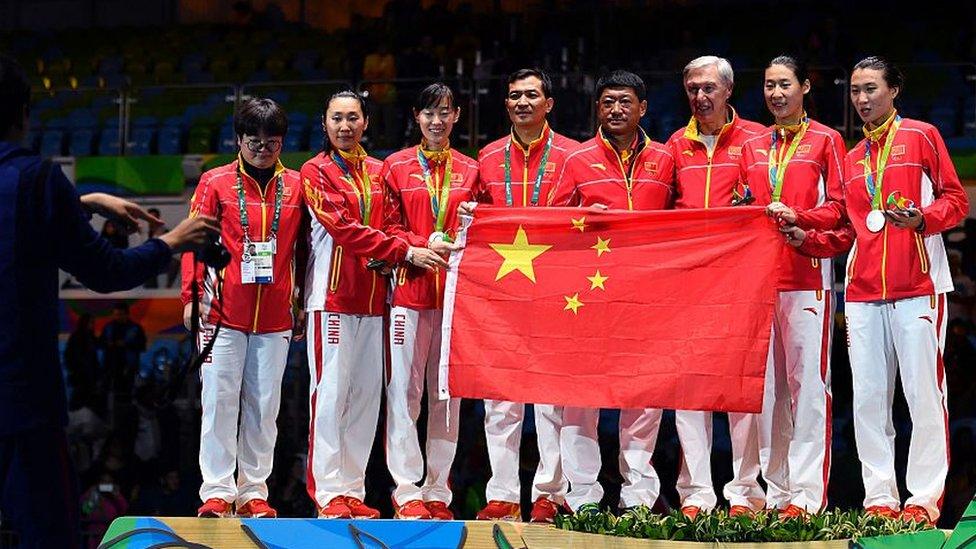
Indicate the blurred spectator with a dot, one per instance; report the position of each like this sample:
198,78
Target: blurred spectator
115,234
81,357
292,499
123,341
86,431
166,497
963,296
101,503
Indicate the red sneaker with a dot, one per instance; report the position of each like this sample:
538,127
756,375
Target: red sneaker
256,508
360,510
411,510
215,508
691,511
792,512
544,510
335,509
740,511
439,511
499,510
917,513
882,511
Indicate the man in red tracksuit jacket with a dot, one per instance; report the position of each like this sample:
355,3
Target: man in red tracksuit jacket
260,208
706,155
619,168
519,170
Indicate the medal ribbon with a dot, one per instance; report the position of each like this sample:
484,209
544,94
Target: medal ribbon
874,186
538,178
779,163
439,192
242,207
362,185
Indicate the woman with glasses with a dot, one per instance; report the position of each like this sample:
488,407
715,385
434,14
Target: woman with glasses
794,168
345,297
425,184
902,192
249,315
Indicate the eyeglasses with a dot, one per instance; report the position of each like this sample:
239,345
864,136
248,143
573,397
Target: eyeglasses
256,145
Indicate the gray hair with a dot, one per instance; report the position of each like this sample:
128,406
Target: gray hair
721,63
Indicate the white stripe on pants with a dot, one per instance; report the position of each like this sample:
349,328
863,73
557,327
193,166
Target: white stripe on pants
907,335
581,456
415,340
694,483
242,378
345,356
794,427
503,432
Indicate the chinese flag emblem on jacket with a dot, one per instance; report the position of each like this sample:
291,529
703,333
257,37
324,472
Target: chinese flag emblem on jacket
614,309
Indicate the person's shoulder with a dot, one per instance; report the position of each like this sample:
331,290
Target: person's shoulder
825,131
401,157
568,143
219,172
676,136
460,158
749,127
494,147
315,162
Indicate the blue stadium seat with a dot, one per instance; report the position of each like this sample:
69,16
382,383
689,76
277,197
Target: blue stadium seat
51,143
140,141
295,139
145,121
81,142
108,142
82,118
56,124
169,140
297,119
227,142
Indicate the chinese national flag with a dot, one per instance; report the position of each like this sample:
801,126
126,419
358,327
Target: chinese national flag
612,309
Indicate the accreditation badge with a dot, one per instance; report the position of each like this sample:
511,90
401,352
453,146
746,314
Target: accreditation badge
264,262
247,264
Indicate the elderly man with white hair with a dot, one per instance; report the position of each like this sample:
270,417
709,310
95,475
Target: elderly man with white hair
706,155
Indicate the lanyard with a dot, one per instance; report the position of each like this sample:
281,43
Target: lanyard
538,177
873,186
439,194
777,166
364,194
242,206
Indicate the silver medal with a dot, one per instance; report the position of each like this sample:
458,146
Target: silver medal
875,221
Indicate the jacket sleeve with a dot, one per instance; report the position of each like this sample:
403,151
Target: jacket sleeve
480,190
827,215
393,212
91,258
204,202
328,205
564,192
951,203
828,243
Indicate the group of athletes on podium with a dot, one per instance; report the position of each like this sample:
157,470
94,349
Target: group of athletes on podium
377,234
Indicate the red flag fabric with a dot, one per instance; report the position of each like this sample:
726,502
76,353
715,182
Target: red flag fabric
612,309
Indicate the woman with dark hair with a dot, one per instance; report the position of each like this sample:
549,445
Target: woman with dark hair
345,297
259,205
902,192
425,184
794,168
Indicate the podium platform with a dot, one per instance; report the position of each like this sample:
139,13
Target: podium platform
233,533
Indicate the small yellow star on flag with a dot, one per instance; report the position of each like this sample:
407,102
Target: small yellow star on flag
579,223
601,246
518,255
597,280
572,303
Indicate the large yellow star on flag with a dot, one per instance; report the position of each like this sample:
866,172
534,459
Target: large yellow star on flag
573,303
597,280
518,255
579,223
601,246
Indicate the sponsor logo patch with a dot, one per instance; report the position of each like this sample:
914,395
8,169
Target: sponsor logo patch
803,149
898,150
550,167
650,167
735,151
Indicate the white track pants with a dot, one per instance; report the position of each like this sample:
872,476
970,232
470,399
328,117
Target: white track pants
907,336
581,456
240,397
694,483
795,424
345,356
415,341
503,432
